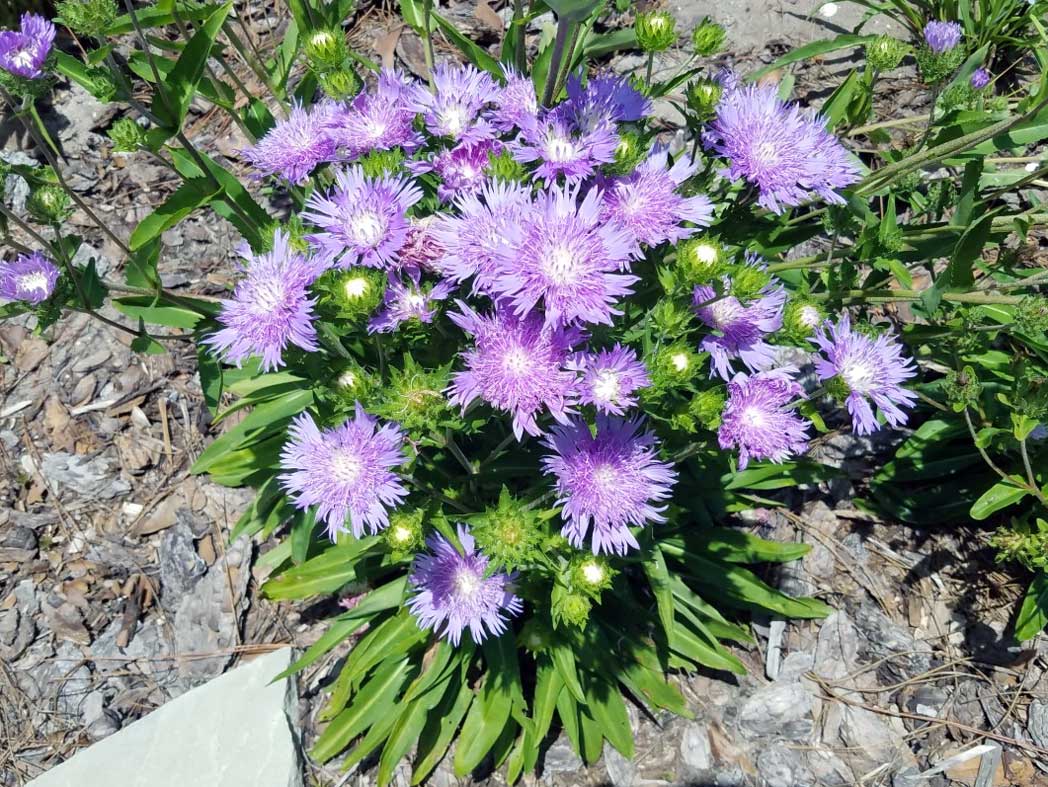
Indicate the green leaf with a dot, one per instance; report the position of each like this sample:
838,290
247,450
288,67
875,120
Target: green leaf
563,658
740,588
606,706
325,573
703,648
140,270
600,44
1000,495
303,530
814,49
159,16
440,729
155,312
958,273
652,687
490,713
837,104
573,10
473,53
1033,614
192,194
175,95
659,579
733,546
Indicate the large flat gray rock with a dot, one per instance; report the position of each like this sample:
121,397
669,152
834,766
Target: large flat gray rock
234,731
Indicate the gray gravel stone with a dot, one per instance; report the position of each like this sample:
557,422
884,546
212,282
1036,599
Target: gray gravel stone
782,710
1037,722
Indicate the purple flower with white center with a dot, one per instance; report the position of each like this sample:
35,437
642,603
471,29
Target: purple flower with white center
456,108
740,328
788,155
422,250
295,146
270,308
758,418
562,149
942,36
610,379
646,202
516,365
472,238
516,104
24,52
346,472
461,169
30,278
454,591
872,370
980,78
363,221
609,482
562,253
380,119
605,100
408,300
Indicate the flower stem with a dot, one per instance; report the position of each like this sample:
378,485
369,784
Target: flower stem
976,297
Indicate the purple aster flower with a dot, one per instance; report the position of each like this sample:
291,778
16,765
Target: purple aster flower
295,146
422,250
610,378
380,119
516,105
345,472
454,591
606,99
471,239
788,155
30,278
364,217
980,78
758,419
612,481
562,149
456,108
23,52
646,202
872,371
270,307
461,169
562,252
408,299
516,365
942,36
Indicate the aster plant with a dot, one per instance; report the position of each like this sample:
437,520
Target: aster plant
505,357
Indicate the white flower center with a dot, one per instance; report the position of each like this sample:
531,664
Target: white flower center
375,128
33,282
606,386
401,534
725,311
766,154
593,573
560,150
347,379
809,316
516,361
346,467
706,253
414,300
467,583
453,120
266,297
679,361
606,477
561,265
356,287
367,228
754,417
23,57
858,374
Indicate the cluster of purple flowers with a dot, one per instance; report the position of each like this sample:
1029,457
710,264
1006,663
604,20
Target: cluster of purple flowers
549,262
24,52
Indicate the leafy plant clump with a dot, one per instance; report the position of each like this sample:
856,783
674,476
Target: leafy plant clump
508,360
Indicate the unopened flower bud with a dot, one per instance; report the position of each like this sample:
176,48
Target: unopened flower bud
747,282
88,17
326,50
572,609
801,318
127,136
708,38
706,407
502,166
656,30
700,260
885,52
628,154
49,204
591,575
340,84
404,534
703,95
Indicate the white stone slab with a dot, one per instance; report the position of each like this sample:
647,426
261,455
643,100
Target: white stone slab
234,731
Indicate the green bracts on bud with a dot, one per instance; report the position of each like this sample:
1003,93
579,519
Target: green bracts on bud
936,67
340,83
505,168
748,281
88,17
510,534
49,204
706,407
700,260
127,136
353,293
656,30
404,534
708,38
885,52
326,50
382,162
628,154
801,318
703,95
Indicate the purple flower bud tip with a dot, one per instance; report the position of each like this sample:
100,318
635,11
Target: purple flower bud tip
980,78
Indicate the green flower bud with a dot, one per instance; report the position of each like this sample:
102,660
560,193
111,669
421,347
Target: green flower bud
656,30
628,154
49,204
127,136
103,85
535,635
505,168
88,17
747,282
353,293
703,95
591,575
509,534
801,318
958,96
700,260
1023,544
570,609
885,53
382,162
962,389
706,407
935,67
672,367
404,534
326,50
1031,393
1032,314
340,84
670,319
414,397
708,38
